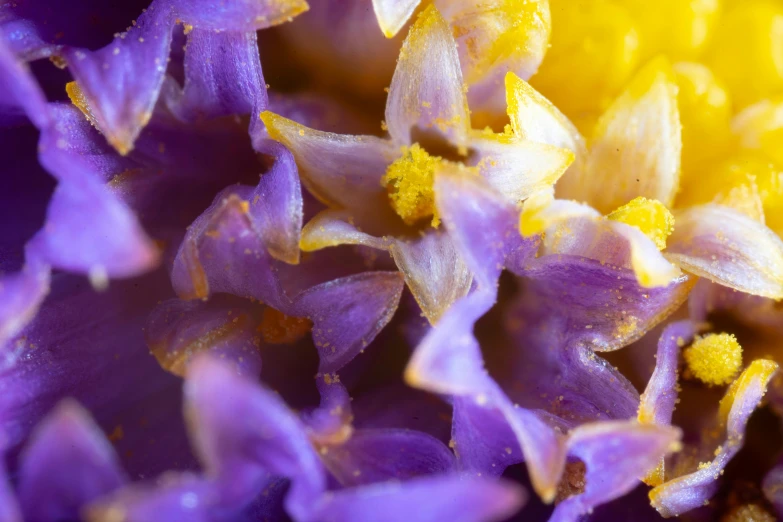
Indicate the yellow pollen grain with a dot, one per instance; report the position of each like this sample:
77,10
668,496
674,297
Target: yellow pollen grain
409,182
714,359
279,328
648,215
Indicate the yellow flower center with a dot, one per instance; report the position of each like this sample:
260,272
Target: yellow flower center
648,215
409,182
714,359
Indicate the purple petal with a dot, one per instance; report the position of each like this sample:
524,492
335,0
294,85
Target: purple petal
584,294
432,499
348,313
178,331
482,225
240,15
21,295
67,464
222,76
370,456
616,455
241,431
223,252
729,248
9,508
118,85
691,490
22,96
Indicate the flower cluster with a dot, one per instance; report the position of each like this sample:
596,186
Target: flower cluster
465,260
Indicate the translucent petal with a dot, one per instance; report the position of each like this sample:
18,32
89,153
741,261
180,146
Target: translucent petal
427,90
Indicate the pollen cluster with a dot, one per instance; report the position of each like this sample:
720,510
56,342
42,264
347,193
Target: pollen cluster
714,359
409,182
648,215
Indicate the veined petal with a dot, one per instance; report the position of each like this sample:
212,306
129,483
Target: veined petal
222,76
392,14
692,490
444,497
242,431
340,170
496,37
434,271
117,86
482,224
334,227
659,399
535,118
636,147
729,248
376,455
241,15
427,89
68,463
616,454
348,313
516,167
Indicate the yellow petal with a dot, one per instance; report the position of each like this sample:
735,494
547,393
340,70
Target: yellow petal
636,147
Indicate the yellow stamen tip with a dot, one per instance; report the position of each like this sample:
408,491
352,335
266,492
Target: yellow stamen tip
648,215
409,181
714,359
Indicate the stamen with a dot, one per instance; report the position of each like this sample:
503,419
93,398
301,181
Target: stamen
714,359
409,182
648,215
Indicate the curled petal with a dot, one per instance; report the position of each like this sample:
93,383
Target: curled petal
334,227
21,294
392,14
444,497
223,252
616,454
68,464
516,167
222,76
23,96
689,491
240,15
482,224
340,170
117,86
426,90
433,270
371,456
348,313
729,248
657,403
535,118
636,146
600,306
241,432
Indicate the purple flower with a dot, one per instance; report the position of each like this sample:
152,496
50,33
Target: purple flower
223,300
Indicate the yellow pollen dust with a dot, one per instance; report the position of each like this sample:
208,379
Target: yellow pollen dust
714,359
278,328
648,215
409,182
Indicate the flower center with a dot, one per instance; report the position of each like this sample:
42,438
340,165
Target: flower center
648,215
714,359
409,182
